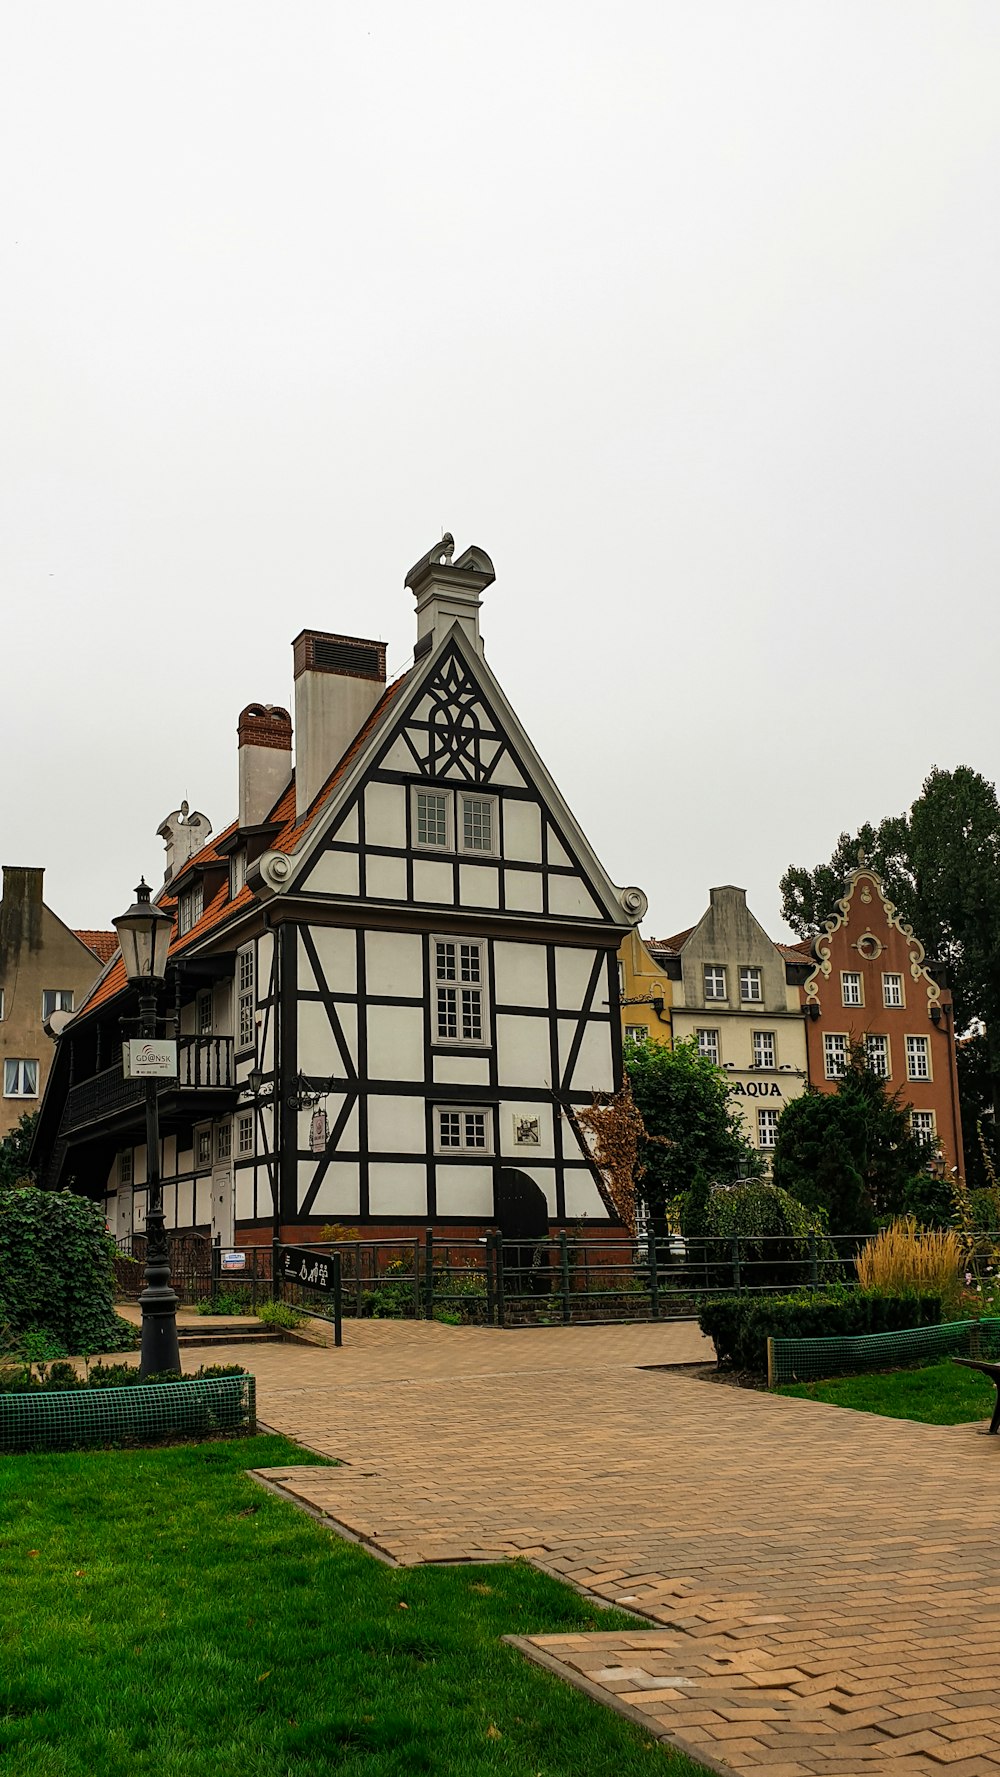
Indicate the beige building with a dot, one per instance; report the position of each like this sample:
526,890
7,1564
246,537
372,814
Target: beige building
45,971
736,993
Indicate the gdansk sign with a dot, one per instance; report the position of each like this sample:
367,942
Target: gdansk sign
149,1058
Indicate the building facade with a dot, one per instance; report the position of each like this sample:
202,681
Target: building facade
646,993
737,995
871,984
46,971
394,976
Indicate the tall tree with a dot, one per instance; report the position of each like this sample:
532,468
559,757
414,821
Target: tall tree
941,867
685,1102
14,1150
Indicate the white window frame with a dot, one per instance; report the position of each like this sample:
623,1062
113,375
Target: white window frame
1,1005
237,871
493,804
759,1040
246,999
923,1134
879,1037
918,1045
636,1033
767,1123
203,999
463,1145
830,1036
751,975
709,1051
857,979
190,907
18,1089
202,1139
245,1144
62,998
714,969
126,1171
224,1141
892,1005
443,983
448,798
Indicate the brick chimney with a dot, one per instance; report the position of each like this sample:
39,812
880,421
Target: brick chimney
338,682
183,833
448,592
265,746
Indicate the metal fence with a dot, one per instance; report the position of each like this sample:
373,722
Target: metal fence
564,1278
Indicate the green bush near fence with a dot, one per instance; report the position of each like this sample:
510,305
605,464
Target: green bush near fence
740,1326
56,1273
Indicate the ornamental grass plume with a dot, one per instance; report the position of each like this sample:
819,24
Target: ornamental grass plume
905,1259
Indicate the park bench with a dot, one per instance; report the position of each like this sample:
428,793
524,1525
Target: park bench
993,1372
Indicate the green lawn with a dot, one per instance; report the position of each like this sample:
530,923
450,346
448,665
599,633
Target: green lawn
162,1613
937,1394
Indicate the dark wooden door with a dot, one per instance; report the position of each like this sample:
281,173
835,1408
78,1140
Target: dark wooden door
523,1219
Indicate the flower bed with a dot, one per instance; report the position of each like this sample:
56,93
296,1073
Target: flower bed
40,1417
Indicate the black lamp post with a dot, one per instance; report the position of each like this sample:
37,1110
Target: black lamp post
144,935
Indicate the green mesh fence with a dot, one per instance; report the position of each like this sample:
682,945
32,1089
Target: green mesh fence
72,1418
805,1360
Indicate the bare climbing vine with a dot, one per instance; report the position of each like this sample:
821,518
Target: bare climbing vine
610,1130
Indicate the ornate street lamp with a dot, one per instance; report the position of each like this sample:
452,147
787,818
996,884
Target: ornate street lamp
144,936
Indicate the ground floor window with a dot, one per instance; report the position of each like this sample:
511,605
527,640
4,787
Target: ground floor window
463,1130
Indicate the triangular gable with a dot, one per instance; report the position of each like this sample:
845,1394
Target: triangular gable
454,724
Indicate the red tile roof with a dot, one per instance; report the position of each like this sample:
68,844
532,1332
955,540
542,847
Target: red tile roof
220,909
103,944
672,944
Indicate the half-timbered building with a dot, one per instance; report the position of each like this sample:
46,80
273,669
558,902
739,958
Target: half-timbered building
393,975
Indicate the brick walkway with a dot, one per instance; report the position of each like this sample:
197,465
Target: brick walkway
826,1583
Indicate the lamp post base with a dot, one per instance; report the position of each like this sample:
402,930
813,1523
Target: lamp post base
158,1303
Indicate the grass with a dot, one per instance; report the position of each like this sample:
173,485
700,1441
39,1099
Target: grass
935,1394
162,1613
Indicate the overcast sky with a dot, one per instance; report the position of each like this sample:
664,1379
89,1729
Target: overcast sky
687,312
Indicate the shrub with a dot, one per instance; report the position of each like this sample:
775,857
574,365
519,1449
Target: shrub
58,1377
740,1326
279,1314
776,1233
224,1303
56,1274
905,1259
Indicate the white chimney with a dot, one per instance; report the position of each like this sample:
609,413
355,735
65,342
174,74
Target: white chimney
265,745
183,833
338,682
448,592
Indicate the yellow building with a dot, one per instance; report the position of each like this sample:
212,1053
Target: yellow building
646,992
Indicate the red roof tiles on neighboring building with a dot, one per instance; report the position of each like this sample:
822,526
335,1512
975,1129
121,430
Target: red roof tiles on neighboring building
103,944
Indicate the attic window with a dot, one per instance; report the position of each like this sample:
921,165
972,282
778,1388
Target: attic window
237,871
346,657
190,907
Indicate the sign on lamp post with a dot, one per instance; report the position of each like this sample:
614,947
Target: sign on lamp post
149,1058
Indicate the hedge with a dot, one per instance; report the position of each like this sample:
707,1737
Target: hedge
739,1326
56,1275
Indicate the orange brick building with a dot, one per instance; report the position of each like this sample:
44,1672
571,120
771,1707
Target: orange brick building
871,984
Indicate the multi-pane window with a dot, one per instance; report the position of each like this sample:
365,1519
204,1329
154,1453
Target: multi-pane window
244,1133
204,1012
850,987
463,1131
922,1125
245,999
918,1059
203,1147
636,1033
764,1053
432,809
20,1078
56,999
223,1141
1,1001
715,981
892,990
767,1128
460,984
750,984
125,1167
877,1048
477,823
708,1045
237,872
190,907
834,1055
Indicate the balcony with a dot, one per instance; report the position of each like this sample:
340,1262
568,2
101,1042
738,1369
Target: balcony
204,1071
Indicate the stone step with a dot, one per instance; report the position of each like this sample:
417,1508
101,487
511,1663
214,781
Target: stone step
214,1332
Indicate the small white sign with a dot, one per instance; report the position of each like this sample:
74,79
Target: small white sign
234,1261
149,1058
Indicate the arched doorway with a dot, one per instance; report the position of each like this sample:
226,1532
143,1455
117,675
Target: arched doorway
523,1219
